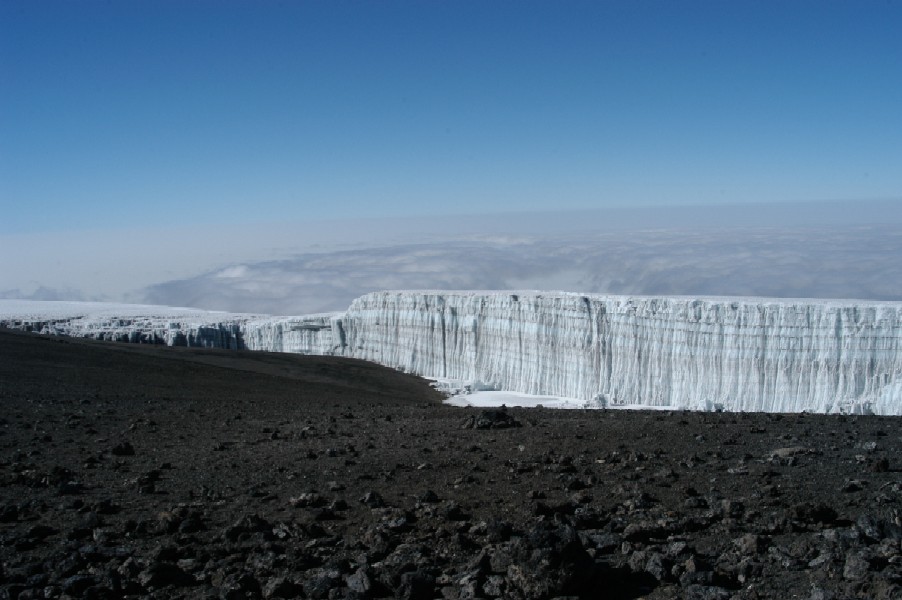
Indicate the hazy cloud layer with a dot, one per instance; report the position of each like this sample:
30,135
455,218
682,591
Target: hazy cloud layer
829,262
44,293
798,248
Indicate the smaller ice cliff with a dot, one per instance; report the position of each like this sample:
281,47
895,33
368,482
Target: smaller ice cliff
738,354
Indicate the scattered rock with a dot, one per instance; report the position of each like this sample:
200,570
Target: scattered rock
490,419
373,499
395,501
282,587
123,449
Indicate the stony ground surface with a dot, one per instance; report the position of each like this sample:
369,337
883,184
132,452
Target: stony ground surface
136,471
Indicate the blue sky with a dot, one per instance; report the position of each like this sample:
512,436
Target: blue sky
124,113
203,123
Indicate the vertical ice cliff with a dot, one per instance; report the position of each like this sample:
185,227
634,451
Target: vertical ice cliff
313,334
743,354
146,324
709,353
134,323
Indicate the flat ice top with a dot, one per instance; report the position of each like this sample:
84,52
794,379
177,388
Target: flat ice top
626,297
33,309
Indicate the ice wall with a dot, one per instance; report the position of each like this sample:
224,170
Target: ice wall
168,332
314,334
709,353
127,322
748,354
310,334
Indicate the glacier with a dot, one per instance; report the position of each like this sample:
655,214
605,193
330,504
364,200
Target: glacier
696,353
136,323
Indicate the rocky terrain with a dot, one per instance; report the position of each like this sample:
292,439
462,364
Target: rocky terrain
141,471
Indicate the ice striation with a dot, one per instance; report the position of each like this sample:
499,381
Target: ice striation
697,353
737,354
135,323
311,334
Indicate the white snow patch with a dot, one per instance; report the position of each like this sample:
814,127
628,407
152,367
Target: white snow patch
495,399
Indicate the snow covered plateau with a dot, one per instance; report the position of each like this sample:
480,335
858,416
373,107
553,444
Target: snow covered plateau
709,353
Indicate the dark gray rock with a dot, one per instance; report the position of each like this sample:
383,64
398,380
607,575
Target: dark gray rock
240,586
76,585
750,544
123,449
549,561
373,499
416,585
491,419
856,567
360,582
707,592
162,574
281,587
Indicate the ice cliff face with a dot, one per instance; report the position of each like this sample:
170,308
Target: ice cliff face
743,354
127,322
735,354
314,334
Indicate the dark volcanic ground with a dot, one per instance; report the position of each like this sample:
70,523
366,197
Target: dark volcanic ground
137,471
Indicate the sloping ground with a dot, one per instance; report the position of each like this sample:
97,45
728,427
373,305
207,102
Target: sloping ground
139,471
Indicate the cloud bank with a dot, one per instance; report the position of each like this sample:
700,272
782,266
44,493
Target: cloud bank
802,262
44,293
826,249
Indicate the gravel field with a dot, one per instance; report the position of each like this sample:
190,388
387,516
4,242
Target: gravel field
131,471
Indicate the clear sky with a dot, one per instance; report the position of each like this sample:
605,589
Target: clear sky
208,152
117,114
